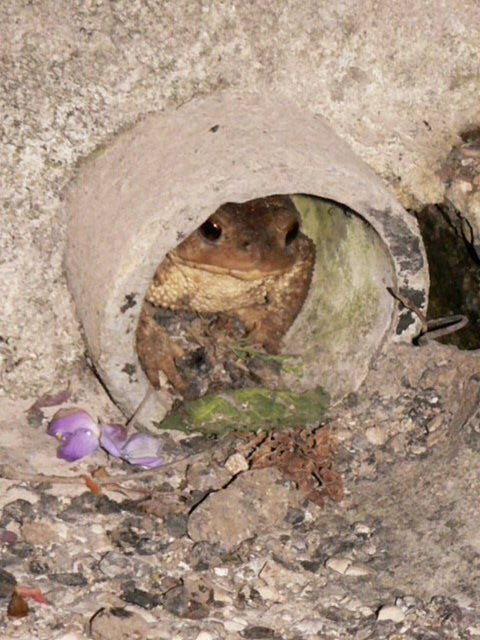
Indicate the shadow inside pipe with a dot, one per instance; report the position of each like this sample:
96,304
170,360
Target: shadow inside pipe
454,273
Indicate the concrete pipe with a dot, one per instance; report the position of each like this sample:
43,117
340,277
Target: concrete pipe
135,199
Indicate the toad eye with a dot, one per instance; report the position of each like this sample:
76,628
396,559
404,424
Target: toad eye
211,230
292,233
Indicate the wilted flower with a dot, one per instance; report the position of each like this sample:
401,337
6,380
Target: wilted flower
80,435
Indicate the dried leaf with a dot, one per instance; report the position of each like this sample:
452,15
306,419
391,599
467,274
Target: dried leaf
100,473
7,537
17,607
91,485
31,593
304,456
50,400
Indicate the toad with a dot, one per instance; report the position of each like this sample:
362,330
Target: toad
249,261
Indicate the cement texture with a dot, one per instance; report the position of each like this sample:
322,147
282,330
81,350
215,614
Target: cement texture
399,81
398,557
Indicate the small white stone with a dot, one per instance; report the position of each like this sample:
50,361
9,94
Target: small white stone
418,449
357,569
236,463
376,435
390,612
342,435
266,593
406,601
99,529
362,529
204,635
474,631
221,571
463,186
338,564
236,624
350,604
309,626
366,611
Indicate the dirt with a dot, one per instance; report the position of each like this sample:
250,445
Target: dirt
209,547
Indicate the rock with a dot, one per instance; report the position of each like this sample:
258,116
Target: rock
235,625
338,564
191,599
255,501
117,623
362,529
39,533
236,463
357,569
7,583
390,612
376,435
204,635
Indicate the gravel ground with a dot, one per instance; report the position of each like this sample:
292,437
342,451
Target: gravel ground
204,549
154,556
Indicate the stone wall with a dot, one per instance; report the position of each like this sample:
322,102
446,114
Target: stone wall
398,81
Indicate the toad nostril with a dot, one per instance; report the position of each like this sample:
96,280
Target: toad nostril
292,233
246,245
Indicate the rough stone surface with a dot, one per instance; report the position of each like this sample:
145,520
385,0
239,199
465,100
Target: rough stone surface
397,557
238,512
74,73
399,81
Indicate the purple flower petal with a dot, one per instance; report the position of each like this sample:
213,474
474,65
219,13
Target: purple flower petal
113,438
77,432
68,421
78,445
80,435
143,450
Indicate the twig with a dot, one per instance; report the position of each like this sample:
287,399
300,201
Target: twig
9,474
409,305
432,329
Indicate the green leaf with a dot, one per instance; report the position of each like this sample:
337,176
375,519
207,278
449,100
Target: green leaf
249,410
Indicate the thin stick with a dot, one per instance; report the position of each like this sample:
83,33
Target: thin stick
409,305
9,474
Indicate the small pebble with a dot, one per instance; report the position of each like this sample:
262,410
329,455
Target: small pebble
204,635
376,435
72,579
342,435
418,449
309,626
370,548
463,186
406,602
390,612
266,593
236,463
362,529
474,631
357,569
340,565
235,624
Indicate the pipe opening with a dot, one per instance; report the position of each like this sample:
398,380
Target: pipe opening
160,181
282,292
454,272
451,234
